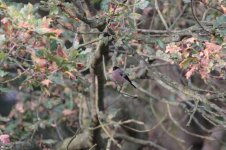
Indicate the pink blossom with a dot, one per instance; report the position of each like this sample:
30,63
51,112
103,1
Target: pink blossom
4,138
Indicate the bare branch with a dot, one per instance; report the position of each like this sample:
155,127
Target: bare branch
195,17
100,23
139,141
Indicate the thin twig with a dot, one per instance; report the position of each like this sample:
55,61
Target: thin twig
134,18
204,14
221,11
108,145
90,42
92,147
186,131
91,32
160,15
193,113
139,141
200,125
21,67
152,20
58,131
104,68
178,17
12,79
147,130
190,29
195,17
153,97
74,136
163,127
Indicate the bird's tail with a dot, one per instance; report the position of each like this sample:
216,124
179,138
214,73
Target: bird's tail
132,84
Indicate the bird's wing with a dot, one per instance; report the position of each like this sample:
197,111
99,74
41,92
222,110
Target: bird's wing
126,77
121,73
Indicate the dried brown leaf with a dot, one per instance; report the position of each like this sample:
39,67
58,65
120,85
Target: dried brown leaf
46,82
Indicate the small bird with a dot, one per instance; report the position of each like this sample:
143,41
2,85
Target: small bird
119,77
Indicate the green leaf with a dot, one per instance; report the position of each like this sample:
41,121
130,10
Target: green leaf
59,60
105,4
43,31
161,44
186,62
11,127
49,141
150,50
54,10
223,32
219,21
40,53
2,55
194,52
57,78
2,39
165,56
142,4
113,112
135,16
69,104
131,23
53,45
3,73
48,104
3,89
27,10
219,39
73,54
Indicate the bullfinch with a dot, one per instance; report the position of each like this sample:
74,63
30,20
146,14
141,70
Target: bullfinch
119,77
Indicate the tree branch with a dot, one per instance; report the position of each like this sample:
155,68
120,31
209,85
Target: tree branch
195,17
100,23
97,90
139,141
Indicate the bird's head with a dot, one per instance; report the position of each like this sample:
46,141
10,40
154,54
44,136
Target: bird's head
115,67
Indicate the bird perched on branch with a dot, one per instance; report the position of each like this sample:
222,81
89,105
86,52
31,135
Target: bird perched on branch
120,77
